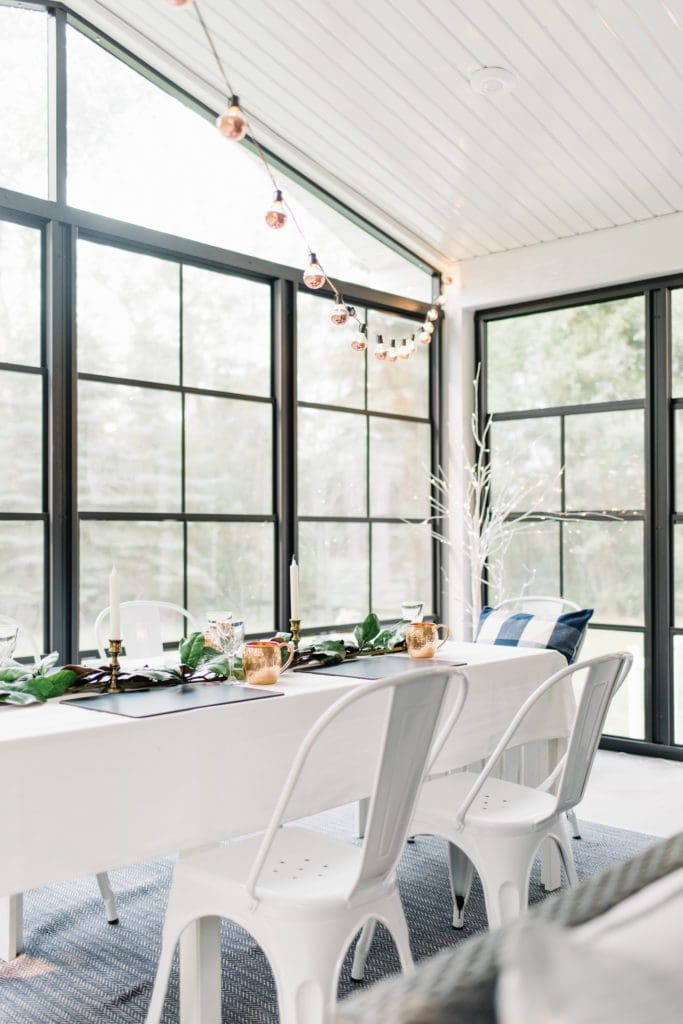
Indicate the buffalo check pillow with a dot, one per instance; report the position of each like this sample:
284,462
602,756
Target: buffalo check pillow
562,633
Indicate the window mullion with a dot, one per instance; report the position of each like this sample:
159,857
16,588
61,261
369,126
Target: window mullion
284,364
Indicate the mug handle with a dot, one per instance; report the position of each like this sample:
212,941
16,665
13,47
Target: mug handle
290,659
442,625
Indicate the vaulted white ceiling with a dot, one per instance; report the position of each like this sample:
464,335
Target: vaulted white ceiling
371,98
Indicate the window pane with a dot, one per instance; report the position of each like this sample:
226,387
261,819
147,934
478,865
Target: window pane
626,716
23,111
678,689
148,557
129,448
228,450
334,559
604,569
401,387
20,290
604,461
400,463
529,564
231,566
401,567
678,448
526,464
22,580
128,314
332,463
677,342
226,333
567,356
21,442
678,574
153,161
328,370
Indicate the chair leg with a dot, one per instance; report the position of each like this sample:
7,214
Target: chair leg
460,873
574,824
306,970
398,927
156,1004
108,898
360,955
504,871
561,837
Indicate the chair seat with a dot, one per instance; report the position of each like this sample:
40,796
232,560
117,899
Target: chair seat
500,804
303,867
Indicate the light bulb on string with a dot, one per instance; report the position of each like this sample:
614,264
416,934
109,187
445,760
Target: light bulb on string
428,326
404,351
412,346
440,301
340,313
275,215
424,338
180,3
360,342
392,354
314,275
232,124
381,351
433,314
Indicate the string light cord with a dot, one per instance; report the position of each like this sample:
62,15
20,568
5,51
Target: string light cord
237,126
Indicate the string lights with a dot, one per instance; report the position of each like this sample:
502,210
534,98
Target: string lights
233,124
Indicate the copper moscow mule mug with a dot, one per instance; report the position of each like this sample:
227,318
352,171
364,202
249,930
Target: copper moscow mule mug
422,638
262,661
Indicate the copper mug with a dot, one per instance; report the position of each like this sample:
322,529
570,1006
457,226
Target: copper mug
262,661
422,638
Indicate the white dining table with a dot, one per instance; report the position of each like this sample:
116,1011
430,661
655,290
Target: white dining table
85,792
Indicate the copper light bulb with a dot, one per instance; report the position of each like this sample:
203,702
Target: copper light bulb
392,353
381,350
428,327
441,301
360,342
339,314
232,124
433,314
425,338
276,216
180,3
405,351
314,275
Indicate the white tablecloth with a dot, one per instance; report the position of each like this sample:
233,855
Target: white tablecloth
85,792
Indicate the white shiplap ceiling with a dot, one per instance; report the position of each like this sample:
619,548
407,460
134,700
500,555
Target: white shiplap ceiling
371,98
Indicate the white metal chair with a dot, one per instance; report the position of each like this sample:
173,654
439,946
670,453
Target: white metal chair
303,894
544,606
499,825
140,627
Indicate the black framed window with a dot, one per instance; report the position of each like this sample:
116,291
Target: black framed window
148,372
364,453
579,391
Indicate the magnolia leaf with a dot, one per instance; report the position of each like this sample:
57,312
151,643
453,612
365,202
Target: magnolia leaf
191,649
45,664
16,697
370,627
44,687
358,636
331,646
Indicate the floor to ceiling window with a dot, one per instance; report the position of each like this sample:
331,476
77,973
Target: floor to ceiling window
147,371
577,390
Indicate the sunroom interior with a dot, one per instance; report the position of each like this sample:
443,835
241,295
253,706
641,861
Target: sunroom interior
394,353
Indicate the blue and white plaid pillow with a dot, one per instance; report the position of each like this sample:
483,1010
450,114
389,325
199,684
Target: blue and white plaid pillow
562,633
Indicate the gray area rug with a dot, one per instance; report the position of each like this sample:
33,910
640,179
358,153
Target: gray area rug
79,969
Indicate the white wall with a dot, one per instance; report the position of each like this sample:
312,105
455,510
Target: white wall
632,252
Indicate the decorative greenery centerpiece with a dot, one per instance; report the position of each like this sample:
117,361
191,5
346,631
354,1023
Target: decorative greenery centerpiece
200,661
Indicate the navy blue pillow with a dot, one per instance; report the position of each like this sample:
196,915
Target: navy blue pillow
563,633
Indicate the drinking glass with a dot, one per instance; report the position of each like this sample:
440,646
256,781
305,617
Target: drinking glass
8,641
411,611
230,636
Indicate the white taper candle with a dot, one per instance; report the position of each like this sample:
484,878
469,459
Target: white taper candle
114,605
294,590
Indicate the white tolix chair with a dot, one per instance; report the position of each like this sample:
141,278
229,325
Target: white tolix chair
499,825
302,894
547,606
141,627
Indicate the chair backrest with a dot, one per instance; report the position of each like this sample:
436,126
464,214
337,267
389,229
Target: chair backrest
404,746
605,676
539,605
25,637
140,627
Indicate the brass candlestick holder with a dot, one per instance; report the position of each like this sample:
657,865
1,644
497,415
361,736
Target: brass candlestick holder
295,627
114,650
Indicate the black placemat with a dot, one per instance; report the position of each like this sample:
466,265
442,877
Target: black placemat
167,700
379,667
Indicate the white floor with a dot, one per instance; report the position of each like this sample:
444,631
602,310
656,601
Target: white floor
644,794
